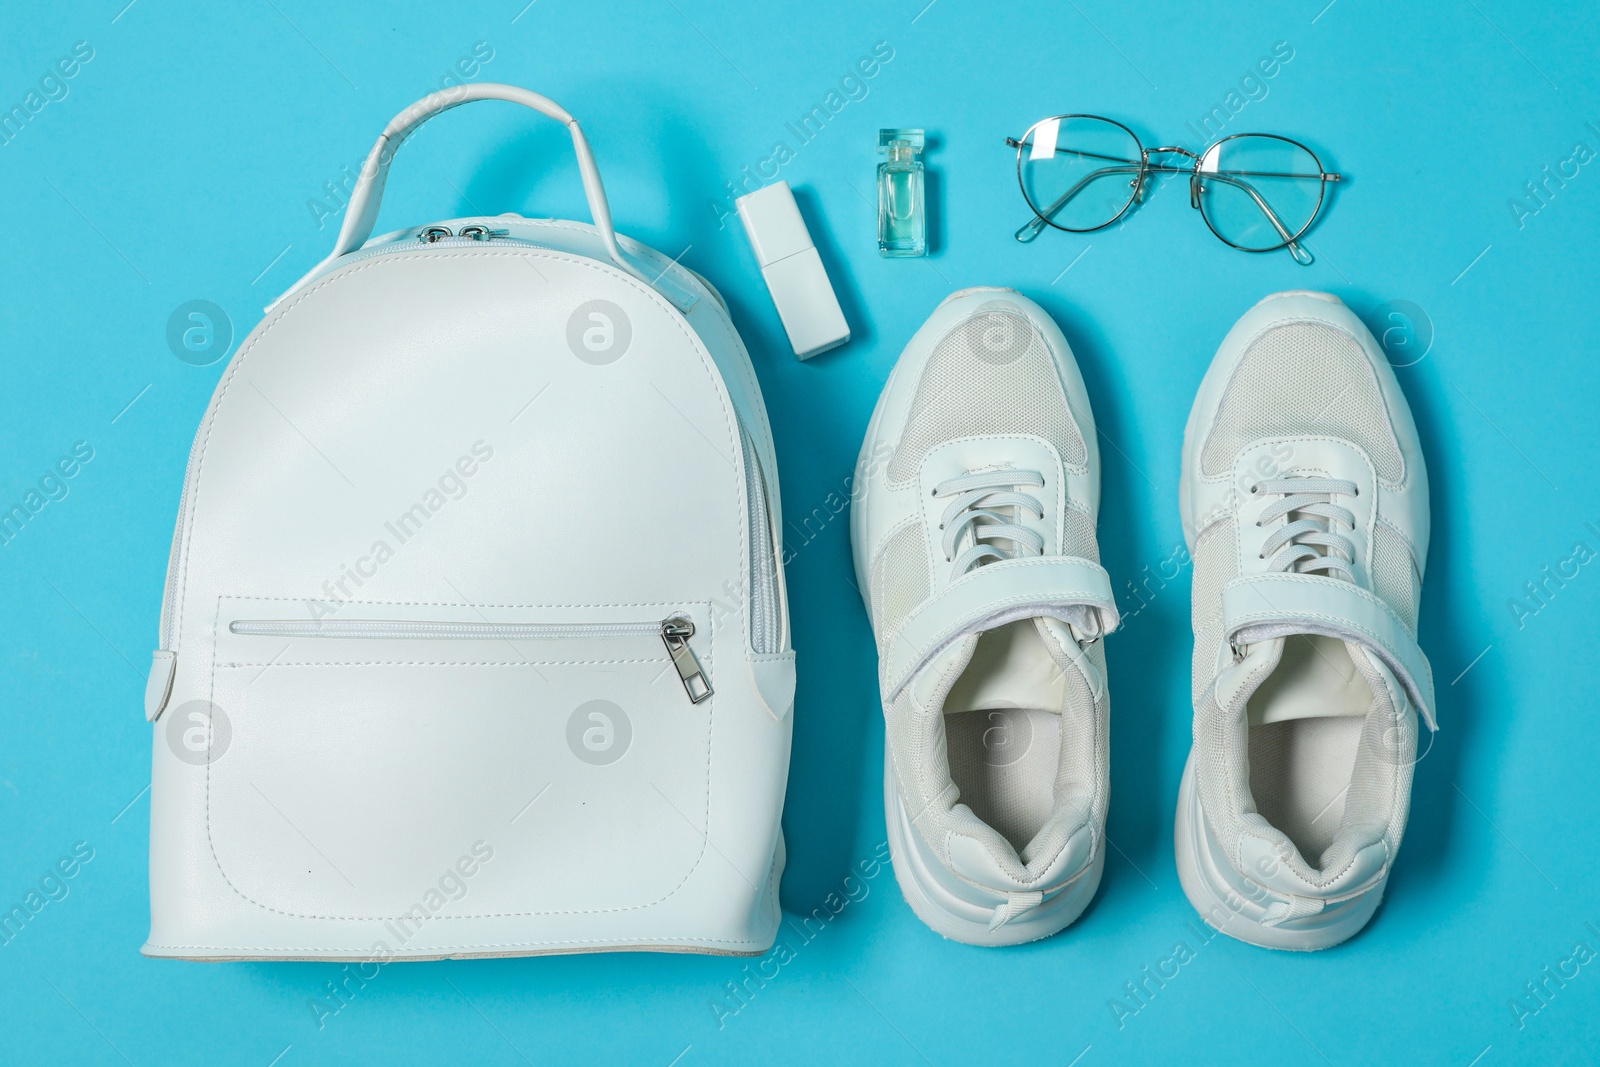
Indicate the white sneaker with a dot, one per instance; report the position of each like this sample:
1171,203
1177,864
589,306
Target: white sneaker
1305,508
973,533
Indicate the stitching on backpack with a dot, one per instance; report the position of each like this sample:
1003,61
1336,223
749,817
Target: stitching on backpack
357,957
705,840
456,604
440,663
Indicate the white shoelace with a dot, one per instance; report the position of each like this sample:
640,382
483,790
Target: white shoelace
1309,541
1015,906
979,498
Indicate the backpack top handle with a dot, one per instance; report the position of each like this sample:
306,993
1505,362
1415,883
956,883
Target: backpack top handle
362,211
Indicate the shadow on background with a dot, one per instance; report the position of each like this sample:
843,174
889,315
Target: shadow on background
835,709
1448,596
933,194
1152,645
839,273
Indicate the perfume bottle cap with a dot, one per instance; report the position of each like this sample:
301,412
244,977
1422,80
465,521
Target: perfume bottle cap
896,141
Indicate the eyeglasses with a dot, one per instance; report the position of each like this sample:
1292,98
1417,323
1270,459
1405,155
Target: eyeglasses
1256,191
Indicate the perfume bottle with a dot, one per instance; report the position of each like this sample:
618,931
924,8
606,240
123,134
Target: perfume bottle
902,218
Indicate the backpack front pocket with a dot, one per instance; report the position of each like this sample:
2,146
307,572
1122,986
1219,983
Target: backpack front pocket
564,751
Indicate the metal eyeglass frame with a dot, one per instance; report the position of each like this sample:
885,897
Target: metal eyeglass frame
1144,167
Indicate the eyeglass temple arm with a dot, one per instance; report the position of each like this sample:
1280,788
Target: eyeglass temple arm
1012,142
1032,229
1040,220
1034,226
1300,255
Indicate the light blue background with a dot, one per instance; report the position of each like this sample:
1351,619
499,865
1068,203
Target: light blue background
180,166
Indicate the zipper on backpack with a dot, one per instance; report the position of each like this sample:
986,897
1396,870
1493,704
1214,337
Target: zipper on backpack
674,631
432,235
675,634
763,594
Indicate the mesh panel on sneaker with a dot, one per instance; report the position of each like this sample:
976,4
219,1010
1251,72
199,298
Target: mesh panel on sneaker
1394,575
1085,770
1379,801
1217,780
1077,539
1298,379
1215,564
992,374
907,739
899,579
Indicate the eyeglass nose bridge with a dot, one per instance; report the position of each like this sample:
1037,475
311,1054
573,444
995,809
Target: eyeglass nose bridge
1194,175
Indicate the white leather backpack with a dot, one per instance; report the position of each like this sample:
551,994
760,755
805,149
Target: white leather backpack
475,640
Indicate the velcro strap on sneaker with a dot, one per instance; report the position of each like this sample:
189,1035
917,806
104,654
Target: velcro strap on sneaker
1263,606
1069,588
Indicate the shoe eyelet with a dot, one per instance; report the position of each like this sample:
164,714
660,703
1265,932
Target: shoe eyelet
1253,489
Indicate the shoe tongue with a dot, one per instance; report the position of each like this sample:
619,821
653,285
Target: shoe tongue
1012,666
1307,676
1006,671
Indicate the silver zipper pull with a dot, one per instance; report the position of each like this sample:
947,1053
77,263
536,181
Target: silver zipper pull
675,634
481,233
431,234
